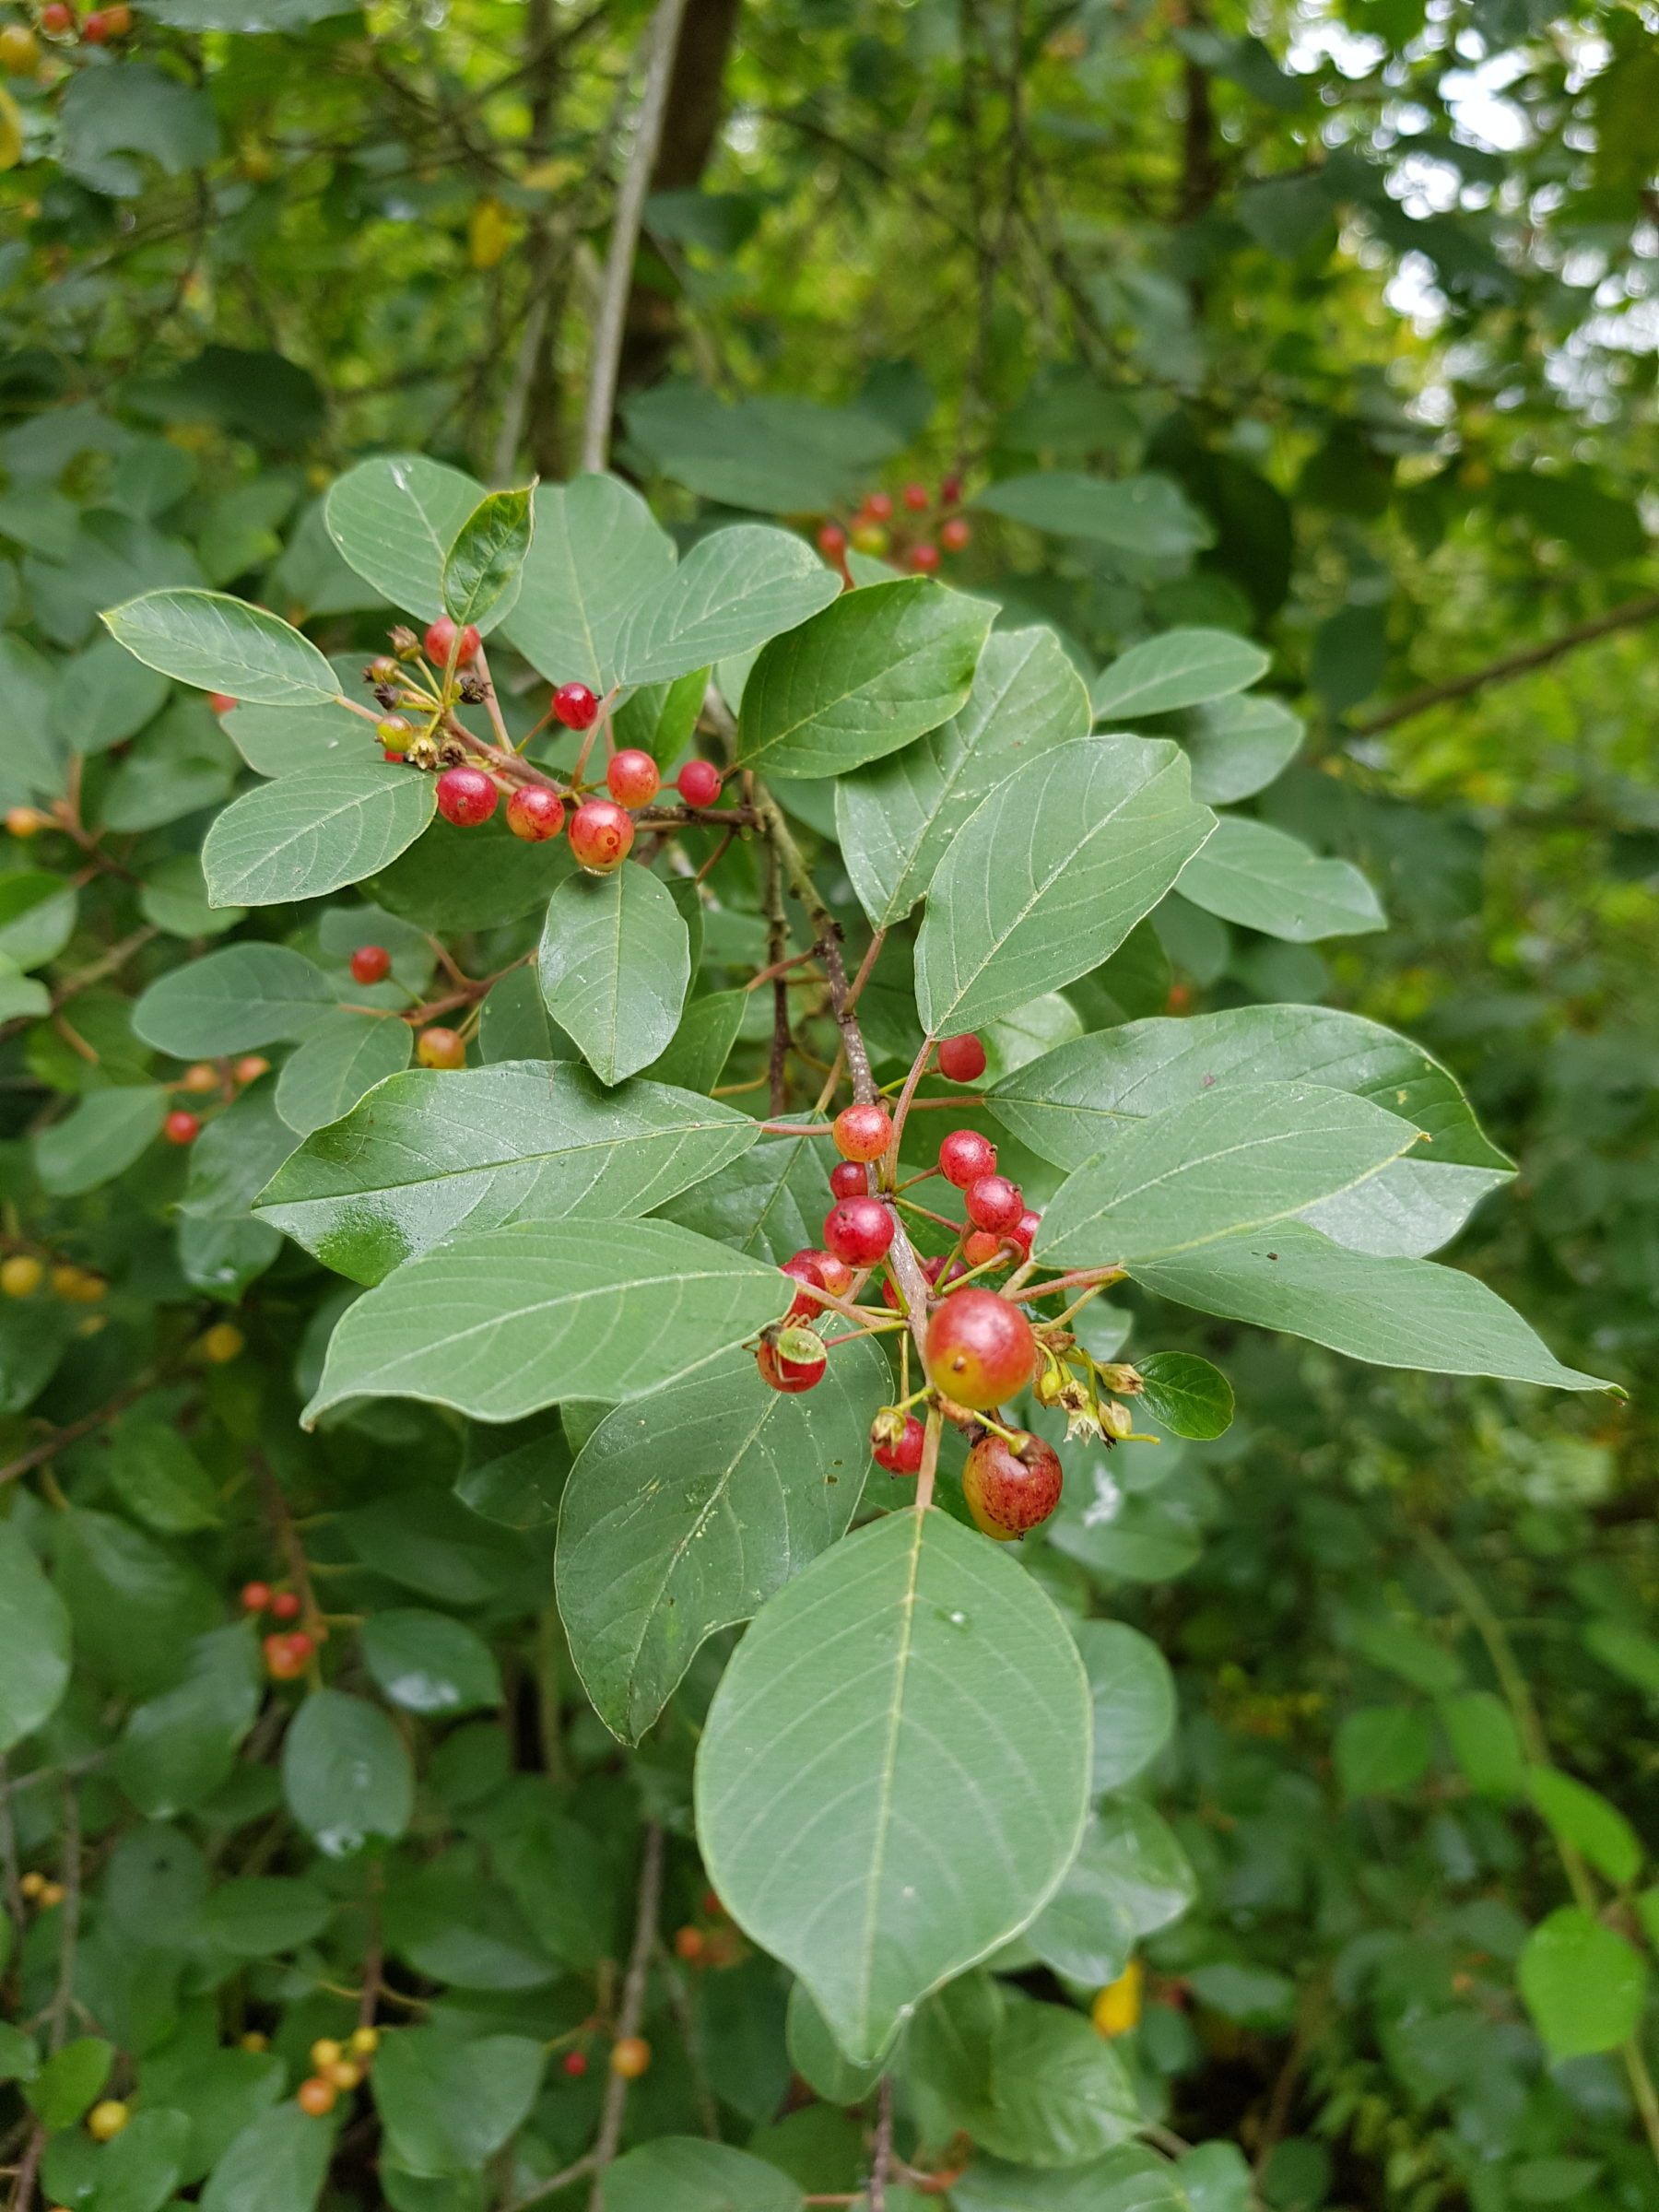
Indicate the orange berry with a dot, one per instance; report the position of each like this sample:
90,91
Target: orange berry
630,2057
689,1944
316,2097
440,1048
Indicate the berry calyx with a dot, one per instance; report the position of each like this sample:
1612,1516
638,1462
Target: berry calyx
900,1455
382,669
916,498
863,1132
633,777
850,1179
440,641
286,1656
251,1067
601,833
316,2097
1009,1490
222,1343
955,535
858,1230
831,541
630,2057
878,506
107,2119
394,734
199,1077
575,706
699,783
255,1597
222,702
534,813
575,2063
923,558
466,797
979,1348
791,1359
965,1156
21,1276
370,964
181,1128
961,1059
285,1605
440,1048
993,1203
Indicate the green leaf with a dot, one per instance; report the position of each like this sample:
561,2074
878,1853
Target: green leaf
615,962
257,1916
37,916
246,995
1253,1994
702,1043
1130,1878
430,1153
1125,2179
447,2104
99,1138
19,2053
346,1774
174,897
660,719
336,1067
135,1603
1393,1313
596,549
484,567
394,519
236,1156
428,1664
101,699
502,1322
681,2173
69,2081
1484,1742
762,1483
1182,668
1236,1158
177,1749
864,1850
1271,881
1392,1644
1186,1394
516,1474
158,1477
769,1202
1383,1749
1051,874
1236,746
219,643
314,831
479,878
280,741
428,1541
277,2164
1585,1985
1626,1651
34,1641
1133,1694
736,589
878,667
140,2170
449,1928
1147,514
1059,2092
1582,1817
817,2058
896,819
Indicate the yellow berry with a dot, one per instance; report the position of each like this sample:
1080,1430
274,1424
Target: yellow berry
32,1884
26,821
52,1893
223,1342
21,1276
630,2057
106,2120
1118,2006
254,2040
365,2041
324,2051
345,2073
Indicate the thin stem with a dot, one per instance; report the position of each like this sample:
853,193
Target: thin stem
883,2158
62,1997
632,2008
930,1458
1628,615
61,1439
548,1634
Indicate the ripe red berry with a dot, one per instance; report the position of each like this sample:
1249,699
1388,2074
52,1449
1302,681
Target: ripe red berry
221,701
575,706
689,1944
916,498
466,797
370,964
1024,1230
850,1179
441,639
954,535
534,813
950,490
878,506
863,1132
979,1245
181,1128
835,1275
575,2063
57,17
831,541
284,1605
699,783
1009,1491
961,1059
633,778
979,1348
601,833
923,559
255,1597
793,1360
440,1048
965,1156
858,1230
285,1657
95,31
993,1203
905,1456
804,1269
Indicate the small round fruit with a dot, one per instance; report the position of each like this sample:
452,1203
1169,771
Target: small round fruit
466,797
858,1230
575,2063
850,1179
863,1132
199,1077
287,1656
222,702
382,669
394,734
690,1945
365,2042
869,537
440,1048
803,1268
20,1276
316,2097
181,1128
950,490
630,2057
835,1275
955,535
961,1059
905,1456
601,833
993,1203
965,1156
325,2052
57,17
699,783
916,498
831,541
255,1597
575,706
285,1605
32,1883
979,1348
20,50
345,2073
440,641
78,1285
791,1362
534,813
251,1067
222,1343
878,506
370,964
52,1893
923,558
26,821
107,2119
1009,1491
633,777
252,2041
1024,1230
979,1246
95,28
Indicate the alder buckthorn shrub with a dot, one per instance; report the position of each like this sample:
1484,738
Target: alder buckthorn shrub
442,637
370,964
438,1047
965,1156
858,1230
862,1133
962,1059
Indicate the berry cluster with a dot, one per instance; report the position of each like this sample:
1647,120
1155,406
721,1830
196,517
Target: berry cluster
335,2066
287,1653
881,527
20,49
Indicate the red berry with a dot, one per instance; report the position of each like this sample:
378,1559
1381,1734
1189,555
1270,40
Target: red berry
181,1128
923,559
284,1605
961,1059
534,813
950,490
441,639
835,1275
980,1349
699,783
905,1456
633,778
1008,1490
916,498
601,833
221,701
57,17
993,1203
979,1245
858,1230
831,541
954,535
878,506
1024,1231
863,1132
804,1269
575,2063
286,1657
850,1179
575,706
793,1360
94,30
965,1156
440,1048
370,964
255,1597
466,797
931,1269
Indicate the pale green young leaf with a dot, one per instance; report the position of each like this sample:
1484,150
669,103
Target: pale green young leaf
1585,1985
1484,1741
736,589
484,567
596,548
819,2059
394,519
448,2102
1239,746
1182,668
1268,880
99,1138
1059,2093
37,916
277,741
1383,1749
34,1641
1186,1394
219,643
316,831
615,962
1583,1816
339,1062
246,995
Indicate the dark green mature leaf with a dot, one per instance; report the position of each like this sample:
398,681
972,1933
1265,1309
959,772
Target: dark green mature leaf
735,589
1148,515
276,2164
135,1603
615,962
257,1916
769,1202
682,2174
280,741
702,1044
478,879
860,1849
338,1063
1129,1879
484,567
762,1483
219,643
1186,1394
429,1154
896,819
817,2056
1125,2179
394,519
157,1475
1585,1985
1271,881
316,831
503,1321
37,916
139,2170
1051,874
34,1641
33,1338
231,1001
428,1664
346,1773
99,1138
448,2103
878,667
597,548
69,2081
1182,668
